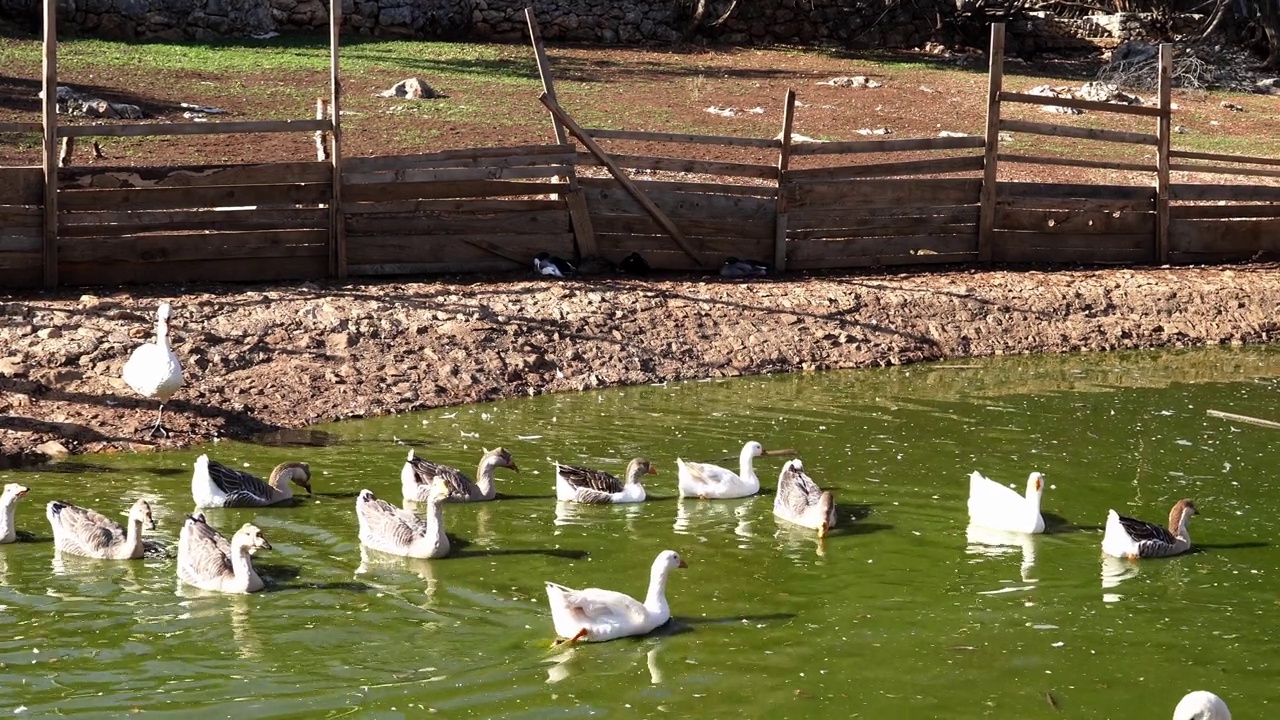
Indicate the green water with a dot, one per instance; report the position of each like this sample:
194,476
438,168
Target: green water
897,615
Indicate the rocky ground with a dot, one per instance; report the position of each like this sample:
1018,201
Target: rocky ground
263,358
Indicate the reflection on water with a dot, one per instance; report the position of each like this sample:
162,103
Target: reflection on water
902,611
987,542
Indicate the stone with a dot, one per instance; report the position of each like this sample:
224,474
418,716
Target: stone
49,333
53,449
12,367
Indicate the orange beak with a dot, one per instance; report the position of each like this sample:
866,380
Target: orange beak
683,564
653,470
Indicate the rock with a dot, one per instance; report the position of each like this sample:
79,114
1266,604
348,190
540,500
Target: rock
339,341
12,367
53,449
411,89
49,333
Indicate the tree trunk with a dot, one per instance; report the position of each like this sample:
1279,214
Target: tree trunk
1269,19
700,13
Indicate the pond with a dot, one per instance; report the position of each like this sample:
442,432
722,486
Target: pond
896,614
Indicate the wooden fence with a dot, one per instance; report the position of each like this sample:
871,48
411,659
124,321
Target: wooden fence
808,205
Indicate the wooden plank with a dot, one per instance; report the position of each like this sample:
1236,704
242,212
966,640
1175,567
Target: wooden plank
683,165
884,217
712,248
876,192
1260,422
337,221
79,224
558,163
22,185
801,250
544,71
173,198
31,260
1074,221
682,138
1223,170
924,258
1163,132
1209,212
580,218
22,128
49,118
784,160
419,175
169,247
1075,131
219,270
461,205
1035,203
1080,104
1074,162
1007,190
378,249
21,216
1103,242
834,233
1224,236
1220,157
678,205
843,147
682,186
23,240
192,175
445,223
932,166
706,226
1015,253
491,265
461,157
197,128
991,143
439,190
1213,191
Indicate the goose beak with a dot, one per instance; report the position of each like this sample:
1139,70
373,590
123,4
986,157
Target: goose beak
151,523
652,470
683,564
22,492
262,543
512,466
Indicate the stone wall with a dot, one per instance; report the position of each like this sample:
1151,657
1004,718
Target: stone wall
837,23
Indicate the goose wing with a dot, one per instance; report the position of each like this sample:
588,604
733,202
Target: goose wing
202,551
240,487
591,496
381,519
425,472
593,605
797,491
1143,531
706,473
598,480
91,531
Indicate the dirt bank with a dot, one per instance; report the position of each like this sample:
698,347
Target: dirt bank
260,358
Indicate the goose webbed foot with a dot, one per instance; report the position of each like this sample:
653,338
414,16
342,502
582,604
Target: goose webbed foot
158,429
569,641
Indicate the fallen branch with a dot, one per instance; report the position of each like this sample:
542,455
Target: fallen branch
1245,419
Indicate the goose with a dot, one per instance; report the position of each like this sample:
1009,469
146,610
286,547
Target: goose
153,370
388,529
704,480
214,485
634,264
208,561
735,268
1201,705
595,615
595,487
997,507
80,531
418,475
552,266
799,500
8,507
1126,537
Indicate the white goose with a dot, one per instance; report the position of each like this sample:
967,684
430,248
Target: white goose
388,529
8,508
596,487
799,500
997,507
1201,705
208,561
596,615
1126,537
214,485
704,480
153,370
80,531
418,475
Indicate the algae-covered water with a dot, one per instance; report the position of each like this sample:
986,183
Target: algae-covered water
900,613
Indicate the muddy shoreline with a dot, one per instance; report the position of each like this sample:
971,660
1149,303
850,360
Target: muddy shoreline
259,358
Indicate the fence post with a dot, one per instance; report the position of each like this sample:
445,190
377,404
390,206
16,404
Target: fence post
784,159
1162,153
995,82
50,116
544,72
337,219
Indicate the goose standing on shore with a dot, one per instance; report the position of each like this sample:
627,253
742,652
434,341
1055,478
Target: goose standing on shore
81,531
799,500
1126,537
209,561
595,615
386,528
706,481
214,485
8,508
418,475
596,487
1201,705
997,507
153,370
